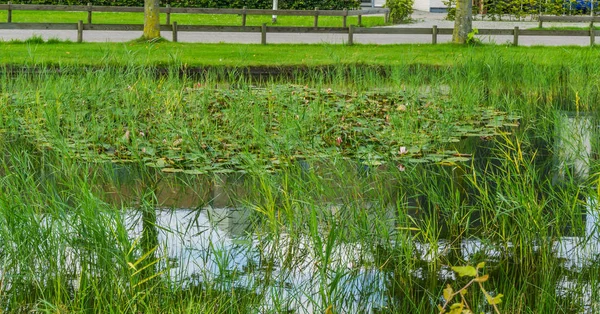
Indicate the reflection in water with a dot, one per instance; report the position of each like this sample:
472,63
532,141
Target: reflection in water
573,146
222,210
202,250
573,151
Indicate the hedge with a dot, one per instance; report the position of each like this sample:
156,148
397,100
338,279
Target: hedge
251,4
517,9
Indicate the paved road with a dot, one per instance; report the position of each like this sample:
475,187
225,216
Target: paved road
422,19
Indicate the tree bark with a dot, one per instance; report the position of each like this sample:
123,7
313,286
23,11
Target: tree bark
151,19
463,22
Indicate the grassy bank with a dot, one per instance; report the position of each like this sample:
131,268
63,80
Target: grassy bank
187,54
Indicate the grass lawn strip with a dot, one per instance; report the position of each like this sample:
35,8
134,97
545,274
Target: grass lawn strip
235,55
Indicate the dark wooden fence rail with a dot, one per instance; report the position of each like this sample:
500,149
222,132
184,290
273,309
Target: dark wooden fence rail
244,12
80,27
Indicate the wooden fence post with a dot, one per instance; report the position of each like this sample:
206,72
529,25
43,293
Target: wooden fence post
386,17
516,36
434,33
263,34
244,16
9,14
351,35
168,13
89,10
540,24
174,29
80,31
316,17
359,20
345,18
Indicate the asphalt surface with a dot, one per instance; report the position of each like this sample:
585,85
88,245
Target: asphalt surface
422,20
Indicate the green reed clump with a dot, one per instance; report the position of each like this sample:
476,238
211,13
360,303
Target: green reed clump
64,247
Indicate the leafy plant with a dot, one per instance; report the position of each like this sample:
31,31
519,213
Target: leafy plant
400,10
451,9
462,306
471,39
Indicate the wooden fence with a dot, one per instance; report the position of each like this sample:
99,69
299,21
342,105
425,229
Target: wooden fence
244,12
350,31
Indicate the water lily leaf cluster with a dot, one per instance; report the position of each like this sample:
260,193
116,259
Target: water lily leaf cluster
183,126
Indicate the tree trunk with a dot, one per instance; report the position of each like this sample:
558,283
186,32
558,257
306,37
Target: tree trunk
463,21
151,19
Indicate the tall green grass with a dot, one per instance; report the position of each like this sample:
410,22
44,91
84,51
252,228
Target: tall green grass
348,225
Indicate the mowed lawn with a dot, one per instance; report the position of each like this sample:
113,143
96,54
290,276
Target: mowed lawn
197,54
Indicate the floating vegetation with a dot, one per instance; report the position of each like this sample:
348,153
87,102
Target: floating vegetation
186,127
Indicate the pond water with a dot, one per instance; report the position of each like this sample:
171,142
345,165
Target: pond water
210,246
217,245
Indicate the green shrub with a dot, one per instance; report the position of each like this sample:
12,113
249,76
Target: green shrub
498,9
400,10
